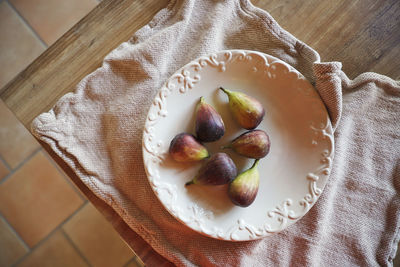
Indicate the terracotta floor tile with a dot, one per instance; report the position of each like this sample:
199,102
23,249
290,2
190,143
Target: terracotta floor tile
18,44
36,199
55,251
11,247
97,239
52,18
16,143
3,170
77,190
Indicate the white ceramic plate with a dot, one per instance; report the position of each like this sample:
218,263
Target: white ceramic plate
292,175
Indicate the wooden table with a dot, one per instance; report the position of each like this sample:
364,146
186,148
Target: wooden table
363,34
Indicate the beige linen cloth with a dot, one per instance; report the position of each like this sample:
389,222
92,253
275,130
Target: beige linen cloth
97,130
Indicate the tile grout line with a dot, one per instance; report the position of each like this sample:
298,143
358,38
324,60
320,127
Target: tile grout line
22,163
3,160
12,171
75,247
27,24
16,233
44,239
64,175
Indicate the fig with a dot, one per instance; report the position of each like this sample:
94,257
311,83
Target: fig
185,148
209,124
246,110
252,144
218,170
244,188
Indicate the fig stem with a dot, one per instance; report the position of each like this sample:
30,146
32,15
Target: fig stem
225,90
255,163
189,183
226,147
201,99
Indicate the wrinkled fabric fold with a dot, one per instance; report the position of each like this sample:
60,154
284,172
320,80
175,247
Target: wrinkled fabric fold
329,86
97,131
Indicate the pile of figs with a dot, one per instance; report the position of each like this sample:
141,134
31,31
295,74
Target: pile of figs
219,169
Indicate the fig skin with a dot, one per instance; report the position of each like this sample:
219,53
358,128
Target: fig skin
218,170
185,148
246,110
244,188
209,124
251,144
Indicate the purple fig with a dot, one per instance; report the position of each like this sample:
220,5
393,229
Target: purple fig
244,188
185,148
252,144
209,124
246,110
218,170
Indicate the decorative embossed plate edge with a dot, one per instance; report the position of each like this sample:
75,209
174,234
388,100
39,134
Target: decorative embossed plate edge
194,216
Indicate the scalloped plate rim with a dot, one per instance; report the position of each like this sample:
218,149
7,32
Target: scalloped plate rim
285,204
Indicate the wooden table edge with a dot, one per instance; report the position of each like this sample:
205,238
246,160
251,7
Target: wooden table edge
134,241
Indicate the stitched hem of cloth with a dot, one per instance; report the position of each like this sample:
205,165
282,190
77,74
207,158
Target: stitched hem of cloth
161,15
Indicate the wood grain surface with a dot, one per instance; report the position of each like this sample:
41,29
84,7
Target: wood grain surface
362,34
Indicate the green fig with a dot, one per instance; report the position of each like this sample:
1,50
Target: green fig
252,144
218,170
246,110
244,188
209,124
185,148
